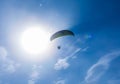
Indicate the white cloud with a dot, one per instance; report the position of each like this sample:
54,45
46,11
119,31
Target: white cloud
35,74
63,63
7,65
10,68
60,82
99,68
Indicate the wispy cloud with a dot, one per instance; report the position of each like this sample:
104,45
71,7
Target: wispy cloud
7,65
60,82
75,52
85,49
98,69
31,82
63,63
10,66
117,81
3,54
35,74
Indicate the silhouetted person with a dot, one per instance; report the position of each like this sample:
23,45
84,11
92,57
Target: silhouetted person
58,47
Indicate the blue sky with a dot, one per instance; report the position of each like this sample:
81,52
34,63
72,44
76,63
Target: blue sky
91,57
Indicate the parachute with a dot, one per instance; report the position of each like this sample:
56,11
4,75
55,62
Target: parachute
61,33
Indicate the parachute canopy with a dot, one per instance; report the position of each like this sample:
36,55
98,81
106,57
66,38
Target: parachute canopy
61,33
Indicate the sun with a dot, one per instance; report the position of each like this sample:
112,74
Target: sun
34,40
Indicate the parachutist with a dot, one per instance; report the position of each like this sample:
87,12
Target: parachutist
58,47
60,34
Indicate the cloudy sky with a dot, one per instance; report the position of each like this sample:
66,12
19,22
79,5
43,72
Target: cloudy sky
92,56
